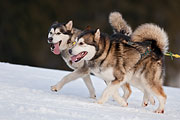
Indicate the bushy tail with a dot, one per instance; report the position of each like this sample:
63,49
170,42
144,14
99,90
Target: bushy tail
151,31
119,24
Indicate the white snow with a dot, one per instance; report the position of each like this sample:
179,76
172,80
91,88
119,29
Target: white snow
25,95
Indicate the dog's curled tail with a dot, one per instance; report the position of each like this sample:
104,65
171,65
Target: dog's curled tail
119,24
151,31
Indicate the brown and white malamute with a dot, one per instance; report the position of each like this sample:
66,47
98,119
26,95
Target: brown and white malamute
137,60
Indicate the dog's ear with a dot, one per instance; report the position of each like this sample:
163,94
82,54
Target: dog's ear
69,25
97,35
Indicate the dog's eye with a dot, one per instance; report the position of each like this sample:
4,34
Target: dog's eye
58,33
50,32
81,43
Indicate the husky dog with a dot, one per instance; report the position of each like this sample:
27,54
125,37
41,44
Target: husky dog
61,38
140,62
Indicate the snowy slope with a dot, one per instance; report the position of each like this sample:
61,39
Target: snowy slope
25,95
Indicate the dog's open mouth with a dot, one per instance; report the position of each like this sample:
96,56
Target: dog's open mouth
55,47
78,57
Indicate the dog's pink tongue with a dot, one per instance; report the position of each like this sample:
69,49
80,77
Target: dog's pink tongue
75,57
56,49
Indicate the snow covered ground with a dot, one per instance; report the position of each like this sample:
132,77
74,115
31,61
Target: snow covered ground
25,95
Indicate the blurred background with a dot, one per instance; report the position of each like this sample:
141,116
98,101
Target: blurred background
24,25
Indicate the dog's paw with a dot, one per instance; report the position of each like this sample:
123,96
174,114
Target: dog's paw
159,111
54,88
122,102
144,104
125,104
100,102
93,96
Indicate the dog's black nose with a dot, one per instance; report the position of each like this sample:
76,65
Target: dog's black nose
70,51
50,39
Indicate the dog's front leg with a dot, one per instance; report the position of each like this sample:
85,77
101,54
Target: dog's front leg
84,73
68,78
112,89
88,82
127,91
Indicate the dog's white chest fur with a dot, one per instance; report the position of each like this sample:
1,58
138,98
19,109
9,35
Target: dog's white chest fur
106,74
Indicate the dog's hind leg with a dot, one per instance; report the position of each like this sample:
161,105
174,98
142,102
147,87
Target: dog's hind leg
141,86
158,91
147,98
154,87
154,79
88,82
